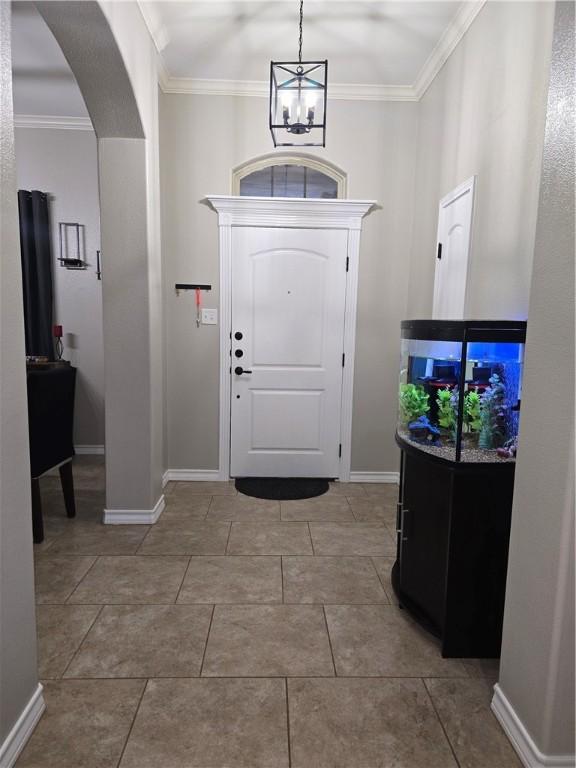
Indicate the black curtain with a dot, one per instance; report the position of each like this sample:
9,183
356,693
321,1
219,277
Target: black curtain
36,271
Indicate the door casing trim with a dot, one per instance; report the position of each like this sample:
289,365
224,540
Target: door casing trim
235,211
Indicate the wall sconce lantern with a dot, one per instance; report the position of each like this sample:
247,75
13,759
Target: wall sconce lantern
298,100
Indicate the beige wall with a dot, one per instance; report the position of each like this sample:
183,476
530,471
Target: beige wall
18,673
537,666
202,139
64,164
484,115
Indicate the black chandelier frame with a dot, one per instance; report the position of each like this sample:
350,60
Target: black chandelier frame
300,81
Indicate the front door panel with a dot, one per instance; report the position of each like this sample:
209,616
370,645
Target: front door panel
288,301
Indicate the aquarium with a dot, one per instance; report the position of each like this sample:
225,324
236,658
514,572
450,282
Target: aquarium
461,388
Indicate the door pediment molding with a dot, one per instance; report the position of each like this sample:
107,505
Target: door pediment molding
234,210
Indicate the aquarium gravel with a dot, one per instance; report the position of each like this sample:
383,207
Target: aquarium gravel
467,455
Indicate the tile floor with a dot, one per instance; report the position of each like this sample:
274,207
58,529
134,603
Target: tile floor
239,633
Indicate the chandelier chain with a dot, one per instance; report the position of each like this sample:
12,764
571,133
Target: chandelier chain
300,38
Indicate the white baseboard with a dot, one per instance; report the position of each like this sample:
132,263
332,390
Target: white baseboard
375,477
22,730
135,516
90,450
190,475
521,740
213,476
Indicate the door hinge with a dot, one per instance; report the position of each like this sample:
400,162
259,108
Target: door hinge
347,262
340,451
439,252
343,358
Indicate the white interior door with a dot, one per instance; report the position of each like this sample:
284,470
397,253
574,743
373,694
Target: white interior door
288,302
453,250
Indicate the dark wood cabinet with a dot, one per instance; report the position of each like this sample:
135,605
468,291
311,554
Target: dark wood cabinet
453,533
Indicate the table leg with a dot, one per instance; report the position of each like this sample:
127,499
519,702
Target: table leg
68,488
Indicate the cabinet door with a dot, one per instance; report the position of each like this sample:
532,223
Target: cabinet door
424,537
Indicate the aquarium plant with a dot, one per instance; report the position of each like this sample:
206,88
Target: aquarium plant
413,402
472,414
493,414
447,409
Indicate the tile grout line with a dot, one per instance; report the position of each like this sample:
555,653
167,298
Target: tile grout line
228,539
352,510
79,648
279,676
206,643
329,640
147,680
183,580
96,558
382,585
209,507
440,721
270,603
282,575
351,553
311,539
288,722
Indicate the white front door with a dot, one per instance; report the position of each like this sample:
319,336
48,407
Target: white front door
453,248
288,303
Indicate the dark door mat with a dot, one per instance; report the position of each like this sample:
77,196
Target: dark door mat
281,488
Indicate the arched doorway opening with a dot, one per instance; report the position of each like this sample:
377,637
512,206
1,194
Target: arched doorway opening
108,54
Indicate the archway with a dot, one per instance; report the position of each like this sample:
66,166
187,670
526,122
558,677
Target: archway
123,123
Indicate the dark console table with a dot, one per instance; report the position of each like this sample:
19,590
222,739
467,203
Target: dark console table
51,389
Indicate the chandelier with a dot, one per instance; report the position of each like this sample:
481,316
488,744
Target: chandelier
298,100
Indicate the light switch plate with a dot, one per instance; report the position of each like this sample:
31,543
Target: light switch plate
209,317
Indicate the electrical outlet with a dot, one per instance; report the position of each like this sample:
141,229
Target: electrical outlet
209,317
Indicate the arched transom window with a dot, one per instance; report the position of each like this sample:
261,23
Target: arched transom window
289,175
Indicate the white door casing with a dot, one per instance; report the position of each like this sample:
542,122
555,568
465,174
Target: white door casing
313,214
453,251
288,301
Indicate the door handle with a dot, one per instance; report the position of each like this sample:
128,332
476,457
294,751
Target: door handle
239,370
398,517
405,524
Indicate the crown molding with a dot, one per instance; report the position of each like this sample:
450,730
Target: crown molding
444,48
452,35
53,121
163,74
261,88
158,31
